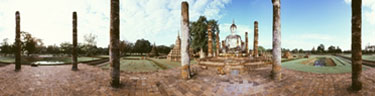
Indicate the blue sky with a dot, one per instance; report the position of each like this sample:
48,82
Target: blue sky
305,23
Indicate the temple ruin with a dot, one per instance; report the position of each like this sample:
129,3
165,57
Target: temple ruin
175,54
234,57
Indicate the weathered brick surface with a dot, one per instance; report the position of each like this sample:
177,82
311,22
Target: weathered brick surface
92,81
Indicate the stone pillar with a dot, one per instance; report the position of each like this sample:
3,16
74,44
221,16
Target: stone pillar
185,57
114,52
276,42
356,44
74,51
256,36
217,44
209,33
223,44
246,44
18,42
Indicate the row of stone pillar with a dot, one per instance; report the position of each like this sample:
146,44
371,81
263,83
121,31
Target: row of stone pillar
185,57
114,43
18,43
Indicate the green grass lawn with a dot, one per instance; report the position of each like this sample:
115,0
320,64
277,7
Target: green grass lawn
134,65
370,57
341,65
7,59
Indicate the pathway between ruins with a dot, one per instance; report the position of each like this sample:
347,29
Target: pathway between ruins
91,81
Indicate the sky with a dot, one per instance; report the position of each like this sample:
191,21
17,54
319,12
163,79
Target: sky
304,23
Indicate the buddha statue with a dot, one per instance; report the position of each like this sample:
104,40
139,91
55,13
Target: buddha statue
233,42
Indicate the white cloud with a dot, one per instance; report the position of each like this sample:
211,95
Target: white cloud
51,20
368,29
348,1
368,14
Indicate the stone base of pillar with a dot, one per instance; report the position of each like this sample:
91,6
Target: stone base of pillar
356,85
185,72
276,75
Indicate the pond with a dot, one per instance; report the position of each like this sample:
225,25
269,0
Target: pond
324,62
319,63
48,62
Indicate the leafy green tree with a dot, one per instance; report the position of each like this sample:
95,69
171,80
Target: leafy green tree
30,44
331,49
313,51
295,50
261,49
320,48
199,35
6,48
300,50
66,48
89,47
142,46
125,47
52,49
164,49
338,50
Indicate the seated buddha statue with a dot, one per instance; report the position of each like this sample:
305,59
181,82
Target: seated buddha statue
233,42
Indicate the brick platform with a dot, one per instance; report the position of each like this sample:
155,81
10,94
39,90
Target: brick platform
90,80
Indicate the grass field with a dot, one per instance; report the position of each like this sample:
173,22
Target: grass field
136,66
370,57
341,65
131,64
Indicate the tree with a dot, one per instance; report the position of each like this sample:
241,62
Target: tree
261,49
90,48
30,44
125,47
164,49
300,51
295,50
90,39
52,49
199,35
215,29
338,50
5,47
331,49
356,44
66,48
313,50
142,46
320,48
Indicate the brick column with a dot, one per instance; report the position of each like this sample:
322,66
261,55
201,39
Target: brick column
185,57
114,52
217,44
246,44
74,51
18,42
256,36
276,42
356,44
209,33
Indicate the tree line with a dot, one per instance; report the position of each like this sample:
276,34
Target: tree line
32,45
